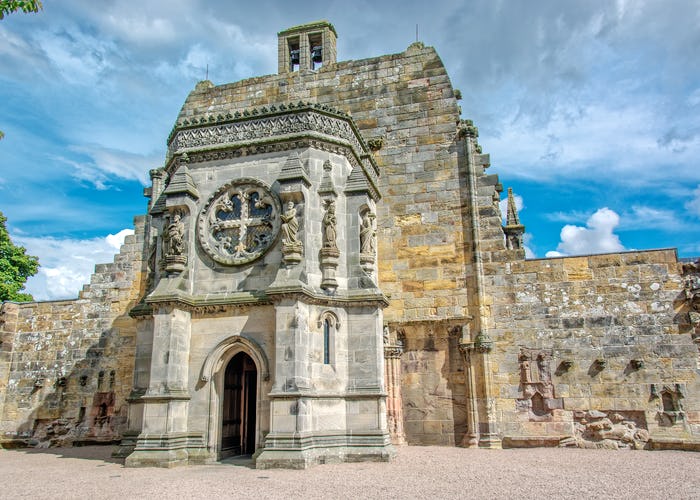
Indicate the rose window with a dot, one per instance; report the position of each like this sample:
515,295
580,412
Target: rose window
240,222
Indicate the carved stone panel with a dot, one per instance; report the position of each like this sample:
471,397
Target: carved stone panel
536,384
240,222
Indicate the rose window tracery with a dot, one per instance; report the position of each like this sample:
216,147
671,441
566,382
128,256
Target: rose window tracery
240,222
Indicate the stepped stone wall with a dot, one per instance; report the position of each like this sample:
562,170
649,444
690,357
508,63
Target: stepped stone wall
66,367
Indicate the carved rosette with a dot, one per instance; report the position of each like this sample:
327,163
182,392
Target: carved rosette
240,222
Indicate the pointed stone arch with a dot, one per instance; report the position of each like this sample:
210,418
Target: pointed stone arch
212,373
226,349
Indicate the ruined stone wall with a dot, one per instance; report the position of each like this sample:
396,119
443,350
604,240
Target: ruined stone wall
589,346
66,367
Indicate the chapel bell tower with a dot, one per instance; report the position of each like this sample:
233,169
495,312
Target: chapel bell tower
306,47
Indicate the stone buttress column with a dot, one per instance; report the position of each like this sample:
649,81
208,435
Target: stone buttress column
393,348
481,419
164,440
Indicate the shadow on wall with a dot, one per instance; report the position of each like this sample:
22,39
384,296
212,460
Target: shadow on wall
433,390
85,406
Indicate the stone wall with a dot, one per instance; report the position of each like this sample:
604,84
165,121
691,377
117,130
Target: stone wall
433,385
66,367
593,334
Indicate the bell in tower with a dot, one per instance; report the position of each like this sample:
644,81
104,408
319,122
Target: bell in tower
317,54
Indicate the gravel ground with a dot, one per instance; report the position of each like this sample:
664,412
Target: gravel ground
418,472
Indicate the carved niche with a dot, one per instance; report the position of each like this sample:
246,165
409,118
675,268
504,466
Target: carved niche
292,247
174,249
670,397
536,383
329,249
368,241
240,222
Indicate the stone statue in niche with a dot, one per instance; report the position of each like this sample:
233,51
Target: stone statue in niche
329,249
368,236
175,236
368,242
174,245
329,227
290,225
513,242
292,246
496,199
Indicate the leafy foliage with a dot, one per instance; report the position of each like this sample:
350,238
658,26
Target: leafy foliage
15,267
26,6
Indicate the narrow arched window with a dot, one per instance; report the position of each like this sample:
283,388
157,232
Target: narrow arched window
326,341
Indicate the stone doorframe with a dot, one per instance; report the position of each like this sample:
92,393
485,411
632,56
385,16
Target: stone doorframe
213,371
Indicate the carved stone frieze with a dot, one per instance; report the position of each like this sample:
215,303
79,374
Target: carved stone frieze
251,128
233,151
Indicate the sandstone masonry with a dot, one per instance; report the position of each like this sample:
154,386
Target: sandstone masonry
324,271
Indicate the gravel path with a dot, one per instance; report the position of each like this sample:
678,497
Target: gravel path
418,472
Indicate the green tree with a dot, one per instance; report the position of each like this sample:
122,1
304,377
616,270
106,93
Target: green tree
15,267
10,6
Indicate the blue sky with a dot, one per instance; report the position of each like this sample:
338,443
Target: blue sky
590,110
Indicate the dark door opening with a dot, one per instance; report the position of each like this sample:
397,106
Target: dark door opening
238,422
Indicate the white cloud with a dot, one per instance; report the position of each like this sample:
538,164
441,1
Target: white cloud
596,237
78,57
527,245
66,264
575,144
568,217
693,206
103,164
645,217
554,253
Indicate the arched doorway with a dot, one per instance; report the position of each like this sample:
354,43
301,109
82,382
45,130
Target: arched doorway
239,404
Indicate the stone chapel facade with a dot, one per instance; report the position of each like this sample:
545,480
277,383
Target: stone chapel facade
323,273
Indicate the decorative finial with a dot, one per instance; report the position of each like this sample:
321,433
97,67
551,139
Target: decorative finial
513,229
512,218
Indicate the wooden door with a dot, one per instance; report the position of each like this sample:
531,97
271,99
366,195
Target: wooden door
239,407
